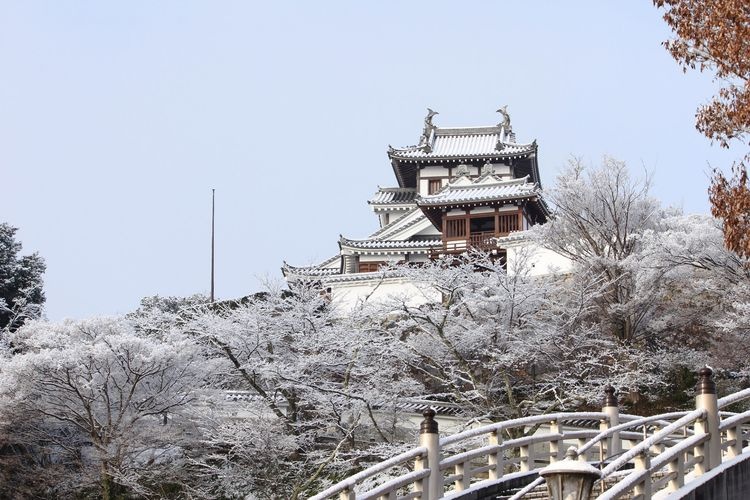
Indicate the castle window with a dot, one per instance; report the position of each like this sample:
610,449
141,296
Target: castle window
370,267
434,186
455,228
482,225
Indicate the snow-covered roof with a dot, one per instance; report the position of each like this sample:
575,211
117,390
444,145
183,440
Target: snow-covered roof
468,142
483,189
406,405
456,145
393,196
313,271
390,244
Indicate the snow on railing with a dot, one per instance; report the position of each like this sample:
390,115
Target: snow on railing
733,398
663,461
466,459
640,478
345,488
492,455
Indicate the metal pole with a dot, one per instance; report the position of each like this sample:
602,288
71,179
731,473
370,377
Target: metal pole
213,212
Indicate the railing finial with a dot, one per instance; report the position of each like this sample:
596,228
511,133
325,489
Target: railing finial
610,396
706,384
429,424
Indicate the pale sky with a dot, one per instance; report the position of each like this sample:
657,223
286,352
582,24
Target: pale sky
117,119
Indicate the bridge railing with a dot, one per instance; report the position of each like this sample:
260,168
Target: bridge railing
734,427
640,480
486,452
638,456
345,490
687,448
455,463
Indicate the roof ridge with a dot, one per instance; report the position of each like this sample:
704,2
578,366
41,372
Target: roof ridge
377,244
344,238
475,183
329,260
476,129
395,189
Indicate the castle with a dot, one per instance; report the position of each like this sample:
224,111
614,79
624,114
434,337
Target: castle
459,188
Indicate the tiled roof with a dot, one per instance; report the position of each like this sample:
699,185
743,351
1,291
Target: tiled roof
312,270
375,244
407,405
482,189
393,196
465,142
373,276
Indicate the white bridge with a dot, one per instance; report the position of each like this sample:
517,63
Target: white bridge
687,454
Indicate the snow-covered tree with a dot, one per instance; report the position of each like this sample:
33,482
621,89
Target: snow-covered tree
317,380
709,300
670,288
100,402
21,293
506,344
600,215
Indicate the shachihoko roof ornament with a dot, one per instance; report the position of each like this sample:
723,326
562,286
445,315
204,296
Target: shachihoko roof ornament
429,127
506,119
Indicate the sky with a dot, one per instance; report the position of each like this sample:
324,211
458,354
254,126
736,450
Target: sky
118,118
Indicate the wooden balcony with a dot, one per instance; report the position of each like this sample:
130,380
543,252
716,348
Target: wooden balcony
482,241
485,240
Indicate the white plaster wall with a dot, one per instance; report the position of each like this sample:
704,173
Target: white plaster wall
501,169
540,260
333,265
433,171
429,231
347,296
473,171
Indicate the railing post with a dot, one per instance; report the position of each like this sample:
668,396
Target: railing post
554,444
496,459
429,437
705,398
526,453
734,437
676,467
612,410
347,494
583,457
643,462
464,470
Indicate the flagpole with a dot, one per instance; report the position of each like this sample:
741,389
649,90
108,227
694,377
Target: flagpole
213,212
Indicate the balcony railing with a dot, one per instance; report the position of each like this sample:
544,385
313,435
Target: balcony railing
483,241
